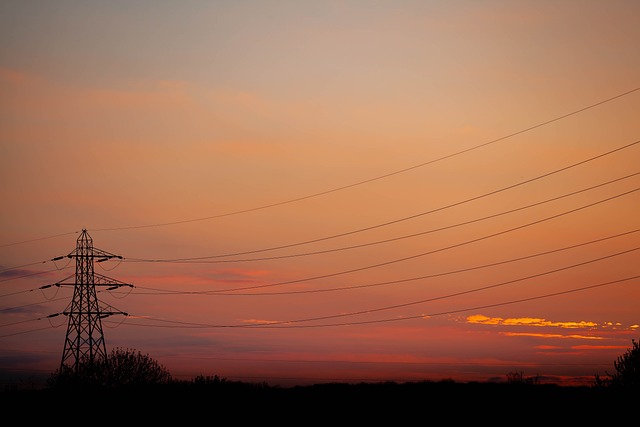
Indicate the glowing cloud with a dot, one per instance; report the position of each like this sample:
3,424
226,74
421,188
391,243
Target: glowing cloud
572,336
528,321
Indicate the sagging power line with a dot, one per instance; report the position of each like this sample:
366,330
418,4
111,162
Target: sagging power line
212,258
380,177
344,187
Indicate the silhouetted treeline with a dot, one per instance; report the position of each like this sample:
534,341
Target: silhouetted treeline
131,387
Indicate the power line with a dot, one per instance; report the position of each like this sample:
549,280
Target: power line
453,295
27,332
22,292
345,288
428,252
348,185
23,265
39,303
411,279
289,325
479,307
32,274
38,239
225,292
201,259
189,325
408,217
103,256
390,282
344,187
31,304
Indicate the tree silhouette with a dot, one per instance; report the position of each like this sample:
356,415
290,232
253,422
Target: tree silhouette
121,368
627,373
128,367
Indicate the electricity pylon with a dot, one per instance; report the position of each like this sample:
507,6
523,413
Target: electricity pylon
85,340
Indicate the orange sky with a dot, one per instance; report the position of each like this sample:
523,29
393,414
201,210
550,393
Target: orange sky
311,191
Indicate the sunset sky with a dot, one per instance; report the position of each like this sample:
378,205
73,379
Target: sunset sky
310,191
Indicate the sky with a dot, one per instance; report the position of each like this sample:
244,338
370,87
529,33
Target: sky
306,192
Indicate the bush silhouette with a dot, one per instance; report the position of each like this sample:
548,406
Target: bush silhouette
517,377
627,375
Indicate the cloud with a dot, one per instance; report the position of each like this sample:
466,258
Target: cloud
528,321
13,76
237,275
572,336
600,347
17,272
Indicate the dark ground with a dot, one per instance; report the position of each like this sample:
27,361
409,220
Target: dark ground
322,404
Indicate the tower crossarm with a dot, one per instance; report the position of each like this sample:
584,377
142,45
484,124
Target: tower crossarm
100,280
100,313
98,255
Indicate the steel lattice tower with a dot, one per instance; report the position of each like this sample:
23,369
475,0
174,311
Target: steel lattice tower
85,340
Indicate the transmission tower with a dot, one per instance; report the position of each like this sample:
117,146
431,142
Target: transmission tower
85,340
